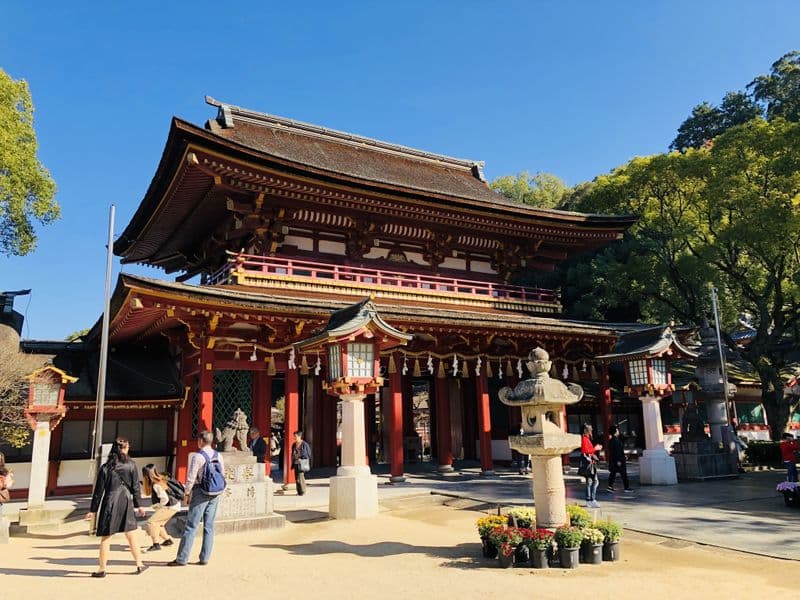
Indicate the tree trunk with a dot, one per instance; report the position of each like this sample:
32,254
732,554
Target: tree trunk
775,403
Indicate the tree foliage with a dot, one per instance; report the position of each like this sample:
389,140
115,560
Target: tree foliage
708,121
542,190
779,91
26,188
728,214
15,366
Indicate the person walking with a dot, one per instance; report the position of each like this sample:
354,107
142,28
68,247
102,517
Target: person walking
116,496
301,461
617,463
166,502
789,448
257,445
588,467
204,484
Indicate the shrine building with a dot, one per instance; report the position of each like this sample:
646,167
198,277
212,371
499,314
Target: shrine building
268,225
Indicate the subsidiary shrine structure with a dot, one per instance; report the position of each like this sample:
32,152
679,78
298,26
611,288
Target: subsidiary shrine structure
270,225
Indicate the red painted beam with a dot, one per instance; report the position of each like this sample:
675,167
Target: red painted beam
484,421
290,422
396,423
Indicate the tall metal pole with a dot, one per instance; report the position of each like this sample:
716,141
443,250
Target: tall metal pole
729,405
97,434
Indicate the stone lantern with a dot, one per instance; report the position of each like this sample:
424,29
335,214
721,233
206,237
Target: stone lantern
541,400
646,356
352,341
44,412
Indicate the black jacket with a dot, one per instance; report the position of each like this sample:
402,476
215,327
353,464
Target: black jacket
259,448
116,494
616,451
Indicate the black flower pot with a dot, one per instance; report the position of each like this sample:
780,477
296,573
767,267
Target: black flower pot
569,557
539,558
522,555
489,549
505,561
611,551
591,554
552,557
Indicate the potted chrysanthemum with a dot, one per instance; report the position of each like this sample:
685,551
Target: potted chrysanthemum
612,533
540,541
569,544
591,546
505,539
485,526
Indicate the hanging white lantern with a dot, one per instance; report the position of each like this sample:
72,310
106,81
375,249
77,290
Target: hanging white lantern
317,366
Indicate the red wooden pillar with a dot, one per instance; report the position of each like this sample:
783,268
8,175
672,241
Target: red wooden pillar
396,425
205,408
484,422
443,436
291,421
605,407
185,434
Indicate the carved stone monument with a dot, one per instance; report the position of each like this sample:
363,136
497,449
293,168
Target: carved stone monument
247,502
541,400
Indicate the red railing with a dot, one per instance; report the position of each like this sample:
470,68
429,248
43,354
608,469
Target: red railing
266,265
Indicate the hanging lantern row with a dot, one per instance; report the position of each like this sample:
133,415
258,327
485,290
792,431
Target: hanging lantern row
456,364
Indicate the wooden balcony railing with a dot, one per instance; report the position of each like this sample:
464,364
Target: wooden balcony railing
258,271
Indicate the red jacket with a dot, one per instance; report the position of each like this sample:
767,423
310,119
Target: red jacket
788,448
587,447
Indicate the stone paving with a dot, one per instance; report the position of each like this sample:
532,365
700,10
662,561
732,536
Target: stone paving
744,514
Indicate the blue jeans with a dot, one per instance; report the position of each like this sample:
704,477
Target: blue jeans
591,487
791,470
204,507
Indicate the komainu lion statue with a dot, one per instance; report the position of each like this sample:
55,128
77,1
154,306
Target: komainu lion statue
235,429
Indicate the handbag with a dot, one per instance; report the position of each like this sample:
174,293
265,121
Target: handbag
305,465
586,468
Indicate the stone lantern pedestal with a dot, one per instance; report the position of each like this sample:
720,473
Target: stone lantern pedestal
541,400
656,466
354,489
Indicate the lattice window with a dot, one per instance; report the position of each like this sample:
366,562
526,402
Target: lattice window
638,371
360,359
195,399
659,371
232,390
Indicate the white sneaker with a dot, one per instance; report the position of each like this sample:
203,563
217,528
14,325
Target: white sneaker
594,504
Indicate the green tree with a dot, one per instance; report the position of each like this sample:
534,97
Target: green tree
708,121
76,335
543,190
26,188
779,91
728,213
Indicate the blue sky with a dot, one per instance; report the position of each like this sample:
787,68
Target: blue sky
573,88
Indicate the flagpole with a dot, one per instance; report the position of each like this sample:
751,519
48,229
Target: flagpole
97,434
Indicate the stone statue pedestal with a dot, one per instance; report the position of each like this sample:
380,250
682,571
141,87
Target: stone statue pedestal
247,502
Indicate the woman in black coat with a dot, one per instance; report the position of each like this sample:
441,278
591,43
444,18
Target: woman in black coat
116,494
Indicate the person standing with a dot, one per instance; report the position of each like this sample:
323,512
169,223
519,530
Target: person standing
617,463
166,503
789,448
588,466
301,461
116,495
204,484
257,445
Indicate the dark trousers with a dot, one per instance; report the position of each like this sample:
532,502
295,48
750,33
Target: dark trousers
300,481
613,469
791,470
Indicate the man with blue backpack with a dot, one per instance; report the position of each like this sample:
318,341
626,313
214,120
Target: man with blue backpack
205,482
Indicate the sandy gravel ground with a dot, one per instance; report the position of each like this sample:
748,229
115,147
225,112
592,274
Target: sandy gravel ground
415,552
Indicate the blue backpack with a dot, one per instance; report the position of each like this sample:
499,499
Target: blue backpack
213,481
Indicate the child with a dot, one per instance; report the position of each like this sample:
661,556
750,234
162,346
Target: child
789,446
165,503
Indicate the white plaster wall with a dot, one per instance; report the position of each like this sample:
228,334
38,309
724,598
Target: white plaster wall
500,449
479,266
302,243
76,472
377,253
415,257
454,263
328,247
22,474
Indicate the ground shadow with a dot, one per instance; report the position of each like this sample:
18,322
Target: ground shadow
44,573
304,515
458,556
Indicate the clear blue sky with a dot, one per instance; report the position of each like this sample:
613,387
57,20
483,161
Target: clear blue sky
573,88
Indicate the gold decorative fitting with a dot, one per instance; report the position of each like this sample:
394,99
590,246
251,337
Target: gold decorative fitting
417,371
489,372
304,366
464,369
392,367
440,372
